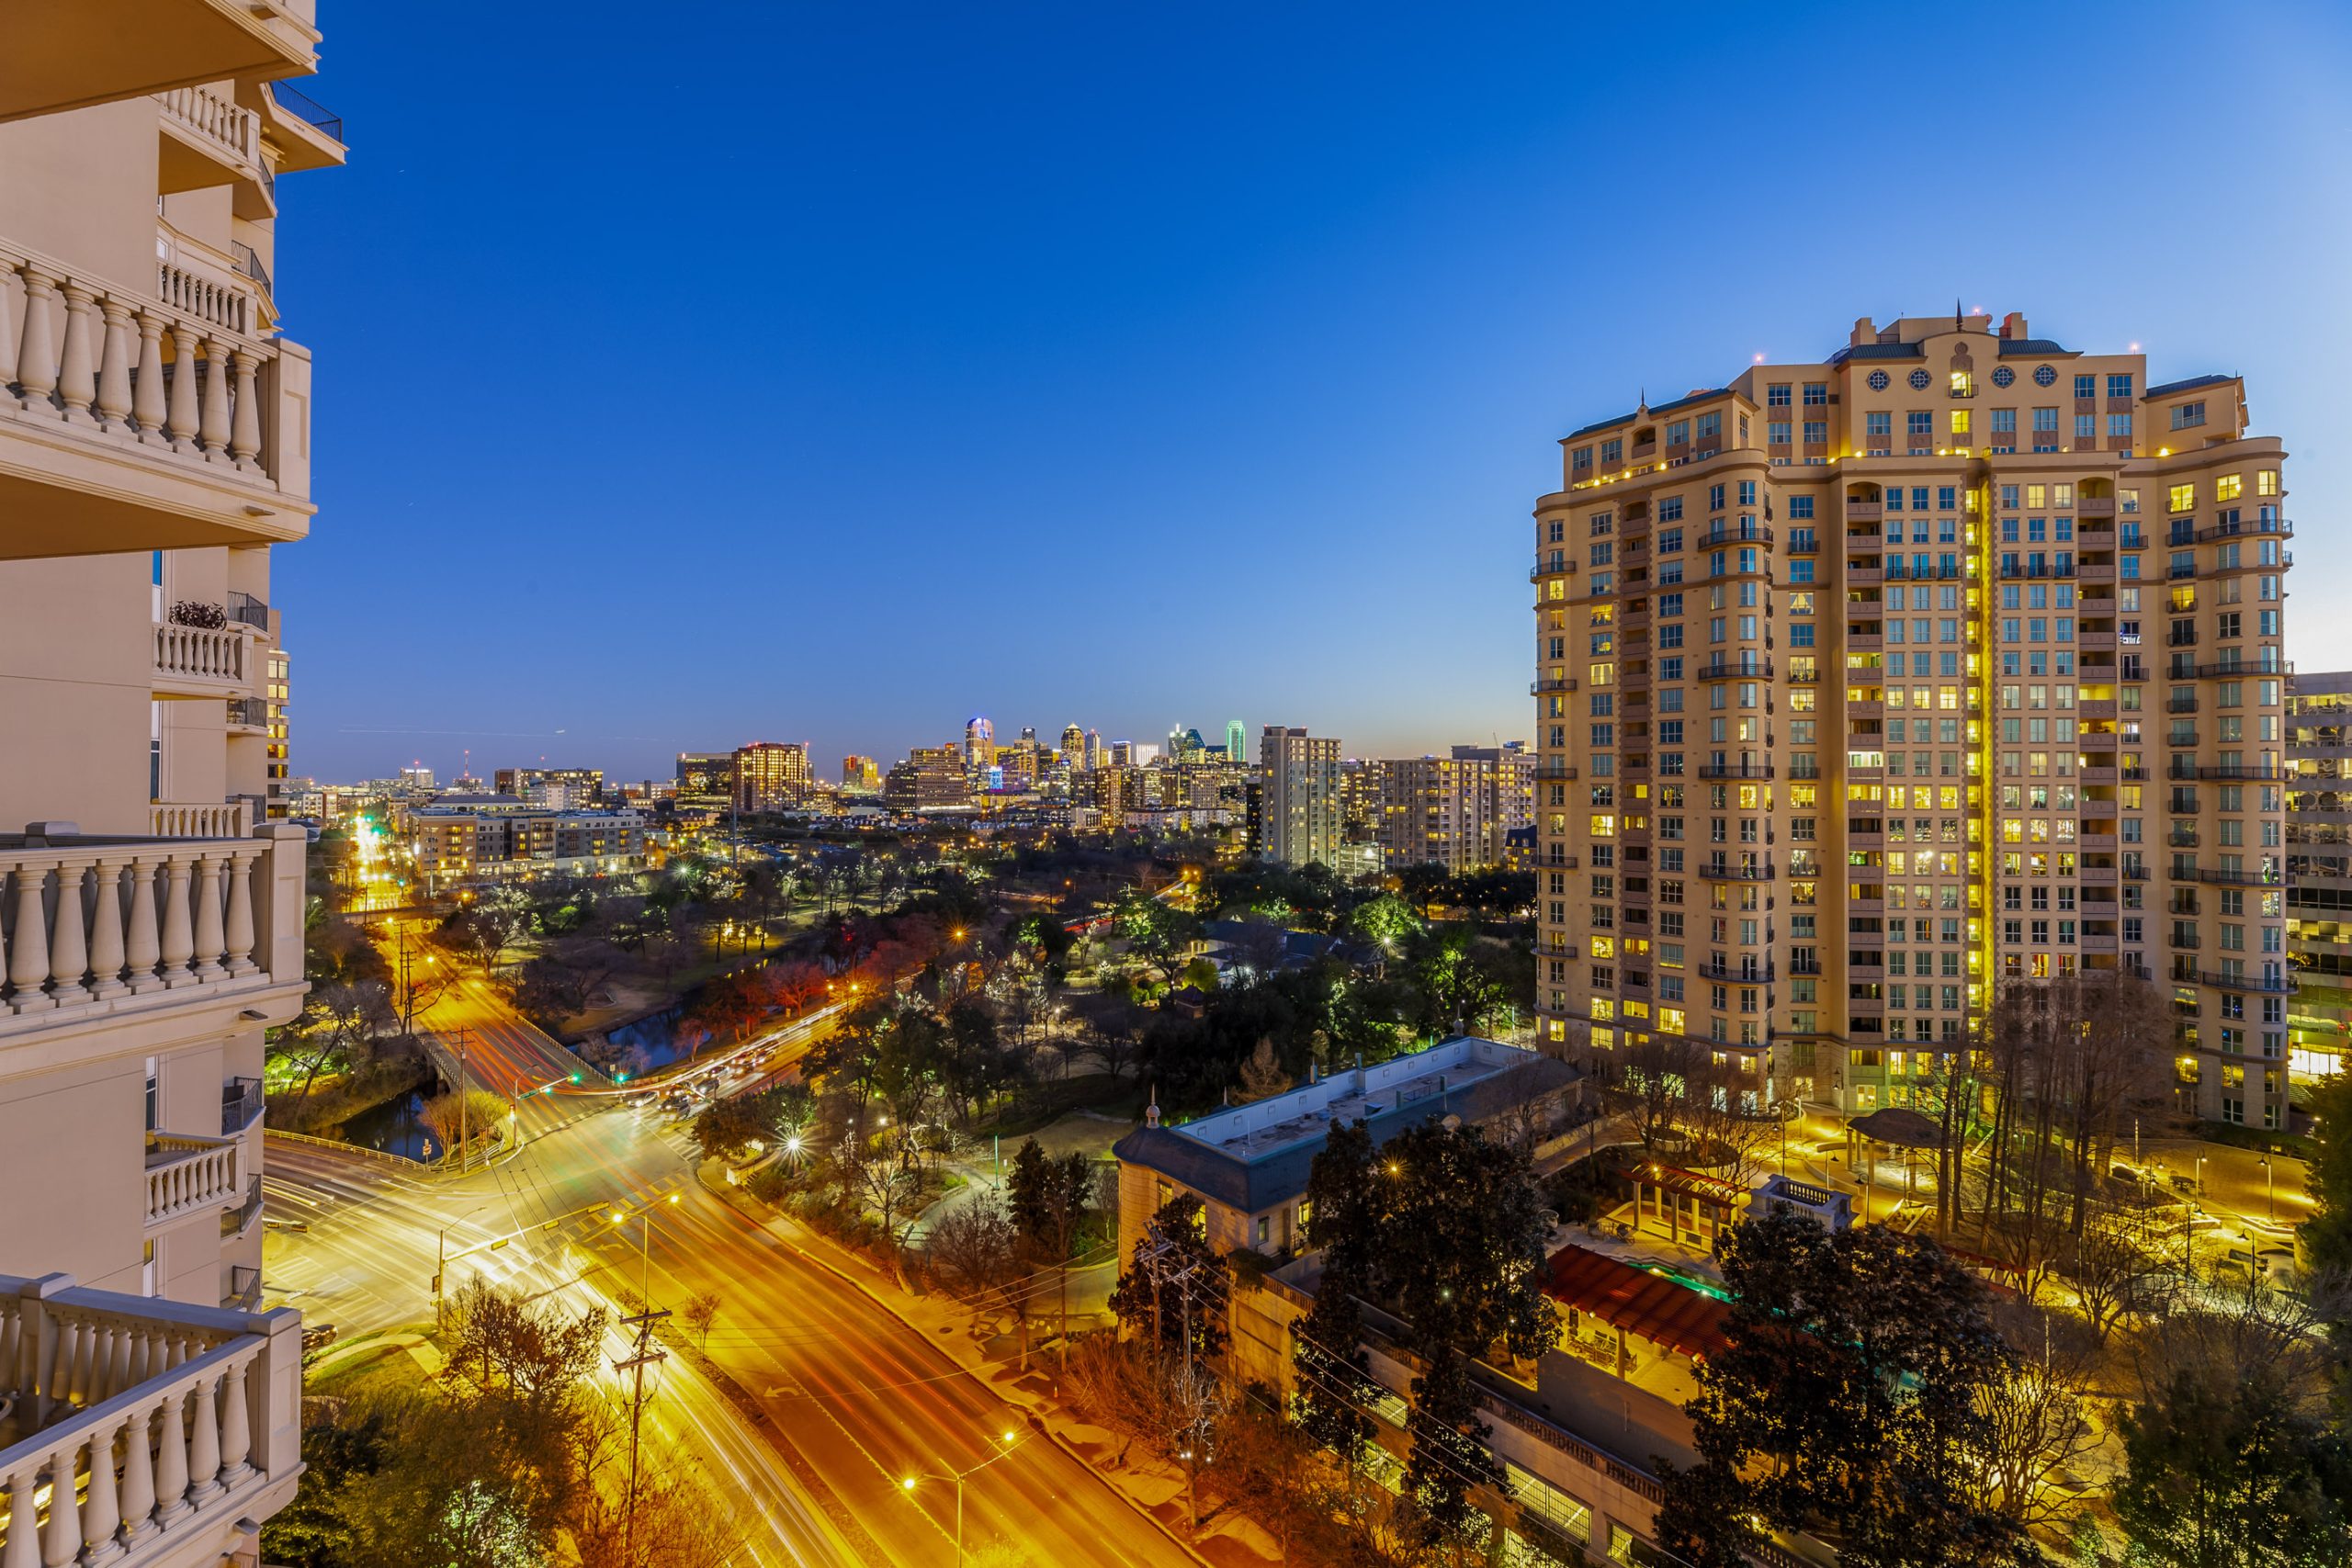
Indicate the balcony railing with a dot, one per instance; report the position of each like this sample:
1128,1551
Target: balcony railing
244,1294
1721,871
248,713
201,819
175,383
101,926
2245,771
2255,984
143,1431
1734,669
308,110
231,129
248,611
188,1174
241,1105
213,660
2220,878
1737,771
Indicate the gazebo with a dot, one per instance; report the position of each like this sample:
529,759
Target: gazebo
1897,1127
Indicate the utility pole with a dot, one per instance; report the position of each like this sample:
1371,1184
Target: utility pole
642,1354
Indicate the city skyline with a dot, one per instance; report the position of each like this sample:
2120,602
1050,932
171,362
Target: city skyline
1037,468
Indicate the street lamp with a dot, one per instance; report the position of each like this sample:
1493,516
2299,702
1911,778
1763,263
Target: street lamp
2269,1189
644,1245
1008,1439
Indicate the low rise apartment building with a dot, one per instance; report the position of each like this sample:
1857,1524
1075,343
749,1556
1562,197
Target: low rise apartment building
496,838
154,449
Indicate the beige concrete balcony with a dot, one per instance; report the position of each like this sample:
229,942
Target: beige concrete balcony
205,140
189,1174
141,1433
206,662
140,944
66,54
132,421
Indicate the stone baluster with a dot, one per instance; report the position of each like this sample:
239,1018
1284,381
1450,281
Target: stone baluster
7,334
207,916
244,429
114,364
63,1544
106,931
236,1425
147,390
170,1461
37,355
102,1504
180,941
120,1338
138,1479
215,427
143,950
77,378
184,419
203,1440
22,1549
29,953
239,941
68,948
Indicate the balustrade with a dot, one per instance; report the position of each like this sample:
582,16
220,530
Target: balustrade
87,922
214,819
186,1173
214,655
178,375
140,1428
234,129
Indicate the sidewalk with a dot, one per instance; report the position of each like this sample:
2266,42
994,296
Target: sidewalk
1153,1487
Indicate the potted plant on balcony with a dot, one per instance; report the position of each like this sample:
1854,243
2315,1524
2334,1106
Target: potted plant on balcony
197,612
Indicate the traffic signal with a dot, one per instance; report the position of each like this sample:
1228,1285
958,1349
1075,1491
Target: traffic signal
575,1077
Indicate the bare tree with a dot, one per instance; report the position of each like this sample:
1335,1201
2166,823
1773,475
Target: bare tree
2038,1420
1261,1075
699,1312
975,1247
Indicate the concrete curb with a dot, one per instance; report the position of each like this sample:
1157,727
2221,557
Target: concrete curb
1037,1421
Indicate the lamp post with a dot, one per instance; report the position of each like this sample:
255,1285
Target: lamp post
1008,1441
2269,1189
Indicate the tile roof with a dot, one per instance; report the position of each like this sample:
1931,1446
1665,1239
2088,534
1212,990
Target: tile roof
2015,345
1652,1305
1878,351
2188,386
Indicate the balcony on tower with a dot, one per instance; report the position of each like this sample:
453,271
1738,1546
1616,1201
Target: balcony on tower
139,1432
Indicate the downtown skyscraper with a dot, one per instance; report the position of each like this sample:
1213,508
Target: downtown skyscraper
1866,687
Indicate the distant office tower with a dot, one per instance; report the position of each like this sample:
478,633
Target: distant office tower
930,776
2319,872
560,789
1237,742
859,775
980,744
1302,814
707,774
1029,734
1123,753
417,776
1074,748
1853,715
1094,750
771,775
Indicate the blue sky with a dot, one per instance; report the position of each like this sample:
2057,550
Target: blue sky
833,372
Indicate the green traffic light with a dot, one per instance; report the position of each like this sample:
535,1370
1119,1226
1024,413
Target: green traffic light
620,1077
575,1077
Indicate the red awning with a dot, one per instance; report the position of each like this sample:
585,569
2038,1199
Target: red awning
1651,1306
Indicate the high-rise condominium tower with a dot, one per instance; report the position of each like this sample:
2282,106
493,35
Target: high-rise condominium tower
1868,687
980,744
1237,742
1074,748
773,775
1301,779
155,445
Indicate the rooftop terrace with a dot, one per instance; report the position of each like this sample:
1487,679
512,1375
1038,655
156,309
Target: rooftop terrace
1306,1113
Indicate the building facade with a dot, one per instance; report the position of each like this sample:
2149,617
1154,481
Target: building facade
1300,808
2319,872
500,838
1810,831
860,775
154,448
773,775
1455,811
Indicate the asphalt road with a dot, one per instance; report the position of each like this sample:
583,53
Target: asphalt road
845,1400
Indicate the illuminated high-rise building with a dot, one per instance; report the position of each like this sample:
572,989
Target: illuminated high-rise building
1868,687
1074,748
1094,750
1237,742
773,775
1301,815
980,744
860,775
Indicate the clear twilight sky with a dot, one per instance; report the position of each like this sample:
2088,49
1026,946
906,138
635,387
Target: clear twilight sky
833,373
